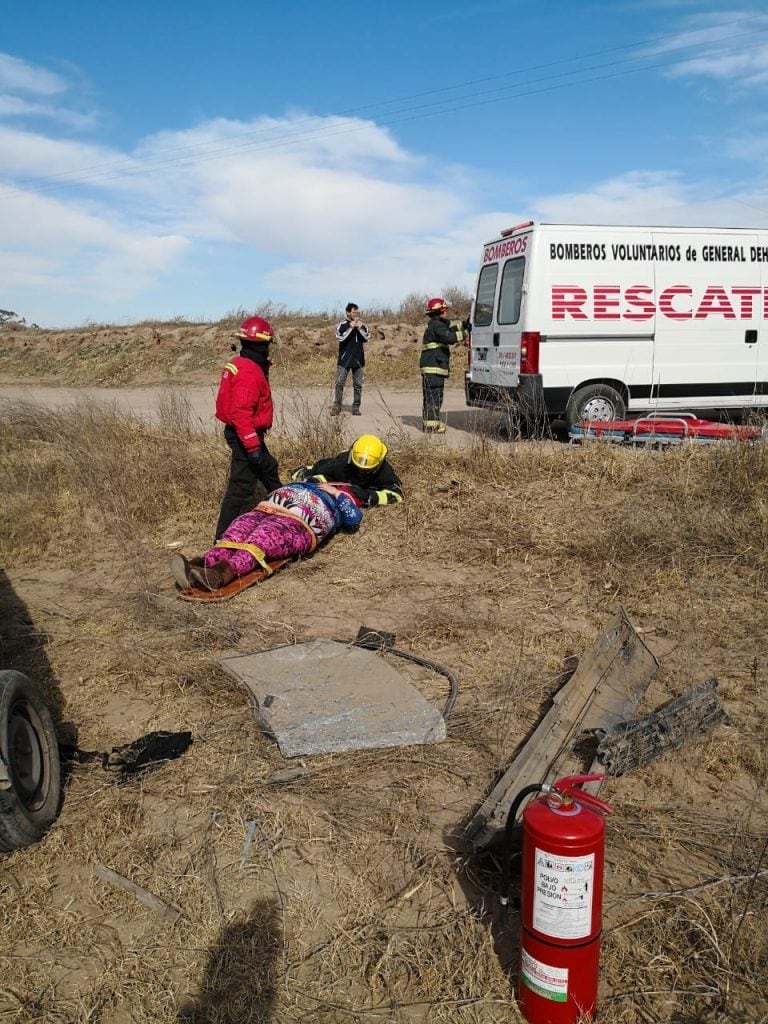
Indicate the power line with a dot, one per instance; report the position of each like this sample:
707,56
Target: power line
202,152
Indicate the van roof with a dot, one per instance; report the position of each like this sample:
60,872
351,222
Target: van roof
528,225
632,227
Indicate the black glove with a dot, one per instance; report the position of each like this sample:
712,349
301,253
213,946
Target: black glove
361,493
254,457
467,325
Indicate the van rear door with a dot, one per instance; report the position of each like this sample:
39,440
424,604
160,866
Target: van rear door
481,366
498,314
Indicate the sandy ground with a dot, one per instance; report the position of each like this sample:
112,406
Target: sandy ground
384,410
352,901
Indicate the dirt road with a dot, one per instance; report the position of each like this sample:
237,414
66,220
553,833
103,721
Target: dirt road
384,410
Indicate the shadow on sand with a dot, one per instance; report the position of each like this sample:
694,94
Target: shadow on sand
238,985
23,648
479,875
470,421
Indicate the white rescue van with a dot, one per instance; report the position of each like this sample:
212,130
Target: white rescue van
589,322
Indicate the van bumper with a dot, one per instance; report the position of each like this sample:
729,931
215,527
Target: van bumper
527,397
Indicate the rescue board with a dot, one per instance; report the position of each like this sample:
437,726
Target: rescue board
231,589
661,431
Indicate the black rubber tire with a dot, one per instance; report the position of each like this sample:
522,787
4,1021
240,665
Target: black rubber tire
603,400
30,752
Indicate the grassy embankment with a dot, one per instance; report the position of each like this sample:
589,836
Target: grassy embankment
184,352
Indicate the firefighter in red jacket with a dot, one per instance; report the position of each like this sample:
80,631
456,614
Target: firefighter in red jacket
244,405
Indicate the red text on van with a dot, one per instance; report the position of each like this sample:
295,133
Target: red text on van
677,302
509,247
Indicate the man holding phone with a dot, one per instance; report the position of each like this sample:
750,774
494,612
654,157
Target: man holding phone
351,334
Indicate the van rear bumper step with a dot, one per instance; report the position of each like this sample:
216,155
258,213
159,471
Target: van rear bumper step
528,399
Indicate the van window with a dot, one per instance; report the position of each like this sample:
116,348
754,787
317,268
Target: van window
486,292
511,291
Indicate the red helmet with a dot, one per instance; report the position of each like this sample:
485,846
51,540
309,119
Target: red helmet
436,306
256,329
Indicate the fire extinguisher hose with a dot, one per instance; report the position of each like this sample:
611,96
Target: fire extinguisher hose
506,865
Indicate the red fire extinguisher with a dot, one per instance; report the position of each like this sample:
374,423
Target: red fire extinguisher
561,900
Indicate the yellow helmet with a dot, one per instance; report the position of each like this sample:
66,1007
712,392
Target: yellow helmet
368,452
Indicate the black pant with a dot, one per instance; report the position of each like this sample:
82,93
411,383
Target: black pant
244,477
432,385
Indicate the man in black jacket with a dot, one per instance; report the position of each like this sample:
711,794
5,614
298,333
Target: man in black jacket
364,467
351,335
435,361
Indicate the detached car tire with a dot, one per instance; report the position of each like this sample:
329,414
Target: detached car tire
29,798
595,402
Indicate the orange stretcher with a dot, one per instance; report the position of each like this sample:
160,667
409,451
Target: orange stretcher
659,430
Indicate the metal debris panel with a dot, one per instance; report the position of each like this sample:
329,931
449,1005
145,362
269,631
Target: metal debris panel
324,696
607,686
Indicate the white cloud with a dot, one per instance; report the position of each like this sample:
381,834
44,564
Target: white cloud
30,91
655,197
421,261
293,208
297,209
18,75
427,260
299,190
332,140
14,106
66,247
57,161
448,252
24,270
728,46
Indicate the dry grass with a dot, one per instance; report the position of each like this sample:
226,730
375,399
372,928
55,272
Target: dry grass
351,903
409,310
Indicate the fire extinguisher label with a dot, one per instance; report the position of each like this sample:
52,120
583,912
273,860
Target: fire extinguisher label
546,981
562,895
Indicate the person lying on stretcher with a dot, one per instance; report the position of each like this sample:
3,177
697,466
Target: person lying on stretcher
291,522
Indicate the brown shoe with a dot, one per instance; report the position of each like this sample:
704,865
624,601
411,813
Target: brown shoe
182,567
212,577
180,570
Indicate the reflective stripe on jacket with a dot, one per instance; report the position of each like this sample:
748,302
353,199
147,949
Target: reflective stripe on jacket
439,335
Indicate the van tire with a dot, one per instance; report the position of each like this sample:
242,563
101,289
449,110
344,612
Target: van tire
595,402
30,753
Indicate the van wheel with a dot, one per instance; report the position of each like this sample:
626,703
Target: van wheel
29,798
595,402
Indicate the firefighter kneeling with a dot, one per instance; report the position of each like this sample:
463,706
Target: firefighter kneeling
364,467
435,361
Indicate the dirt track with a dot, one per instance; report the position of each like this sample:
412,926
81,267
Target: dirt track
384,410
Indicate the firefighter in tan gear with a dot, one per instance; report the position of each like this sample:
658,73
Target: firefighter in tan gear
435,361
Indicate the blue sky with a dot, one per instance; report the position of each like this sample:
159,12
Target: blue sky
162,159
